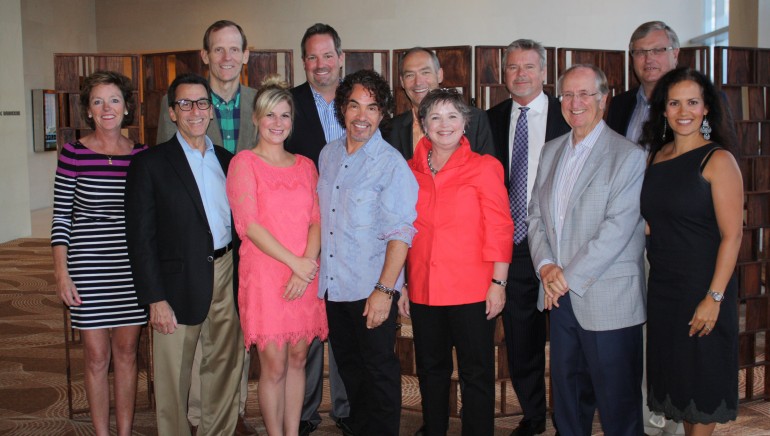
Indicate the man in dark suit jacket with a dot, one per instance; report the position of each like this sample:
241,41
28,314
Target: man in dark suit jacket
654,48
420,72
525,72
178,229
315,125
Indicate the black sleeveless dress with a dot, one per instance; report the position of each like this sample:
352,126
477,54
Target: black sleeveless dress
688,378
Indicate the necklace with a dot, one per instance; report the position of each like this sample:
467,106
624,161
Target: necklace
109,160
430,165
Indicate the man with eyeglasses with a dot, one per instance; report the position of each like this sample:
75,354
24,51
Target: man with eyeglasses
654,48
586,237
420,73
521,126
225,52
178,229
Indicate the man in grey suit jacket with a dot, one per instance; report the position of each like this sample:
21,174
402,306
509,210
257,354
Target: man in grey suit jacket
586,237
224,51
419,73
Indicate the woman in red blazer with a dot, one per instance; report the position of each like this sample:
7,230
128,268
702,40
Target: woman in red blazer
457,265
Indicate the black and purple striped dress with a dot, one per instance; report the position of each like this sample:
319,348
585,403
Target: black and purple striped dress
88,217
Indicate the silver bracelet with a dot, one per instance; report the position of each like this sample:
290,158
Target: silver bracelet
382,288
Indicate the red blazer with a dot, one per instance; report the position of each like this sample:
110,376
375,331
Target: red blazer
463,227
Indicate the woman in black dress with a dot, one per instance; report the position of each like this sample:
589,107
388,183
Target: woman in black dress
692,199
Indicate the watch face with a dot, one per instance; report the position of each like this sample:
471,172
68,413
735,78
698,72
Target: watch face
717,296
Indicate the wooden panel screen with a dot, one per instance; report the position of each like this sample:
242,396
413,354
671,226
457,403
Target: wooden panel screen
490,75
612,62
742,74
69,72
160,69
263,63
377,60
697,58
456,63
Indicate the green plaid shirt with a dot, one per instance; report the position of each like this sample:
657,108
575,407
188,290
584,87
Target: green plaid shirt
229,116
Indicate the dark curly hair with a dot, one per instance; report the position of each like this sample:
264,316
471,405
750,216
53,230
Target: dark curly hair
718,117
107,78
372,82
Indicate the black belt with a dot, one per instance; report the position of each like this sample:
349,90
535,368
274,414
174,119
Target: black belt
222,251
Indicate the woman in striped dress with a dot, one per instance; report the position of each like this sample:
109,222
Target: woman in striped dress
93,274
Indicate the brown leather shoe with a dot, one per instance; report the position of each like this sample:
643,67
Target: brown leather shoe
242,428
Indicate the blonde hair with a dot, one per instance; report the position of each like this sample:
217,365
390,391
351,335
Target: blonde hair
272,91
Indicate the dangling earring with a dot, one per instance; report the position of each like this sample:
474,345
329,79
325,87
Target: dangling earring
705,129
665,124
125,112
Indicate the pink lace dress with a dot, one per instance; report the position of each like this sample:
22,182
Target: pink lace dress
283,200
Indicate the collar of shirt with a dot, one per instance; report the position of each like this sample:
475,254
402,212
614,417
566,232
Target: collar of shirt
218,101
331,126
210,179
536,106
590,139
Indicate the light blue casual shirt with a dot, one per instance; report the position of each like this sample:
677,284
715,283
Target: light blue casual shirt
211,184
332,128
367,199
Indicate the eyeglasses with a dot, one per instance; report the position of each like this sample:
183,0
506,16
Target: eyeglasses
650,52
187,105
582,96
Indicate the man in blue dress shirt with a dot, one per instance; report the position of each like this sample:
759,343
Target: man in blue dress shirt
367,195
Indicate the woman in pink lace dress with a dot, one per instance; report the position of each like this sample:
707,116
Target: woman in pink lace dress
273,197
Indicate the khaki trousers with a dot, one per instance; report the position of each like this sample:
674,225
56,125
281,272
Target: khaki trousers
221,343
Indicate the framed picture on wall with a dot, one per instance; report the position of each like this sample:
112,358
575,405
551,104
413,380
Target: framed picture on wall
44,119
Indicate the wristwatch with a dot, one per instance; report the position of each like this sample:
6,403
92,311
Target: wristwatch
717,296
500,282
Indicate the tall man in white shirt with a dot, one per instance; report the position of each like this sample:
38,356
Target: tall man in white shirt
520,127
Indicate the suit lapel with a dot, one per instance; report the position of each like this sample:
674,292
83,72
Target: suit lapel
406,136
505,137
549,189
246,135
181,167
311,113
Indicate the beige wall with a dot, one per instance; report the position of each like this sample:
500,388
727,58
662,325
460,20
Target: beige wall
48,27
369,24
14,191
763,36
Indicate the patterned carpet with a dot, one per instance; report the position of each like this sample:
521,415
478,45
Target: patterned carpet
33,381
